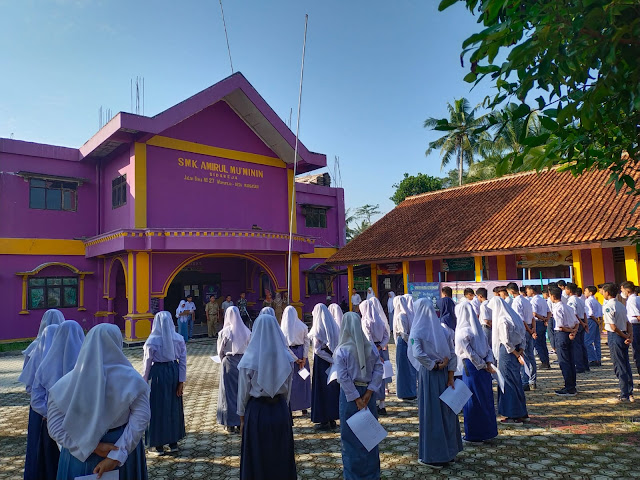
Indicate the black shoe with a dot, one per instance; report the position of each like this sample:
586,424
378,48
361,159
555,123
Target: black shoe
533,386
408,399
173,447
566,393
526,388
304,412
333,424
546,366
382,411
229,429
595,364
322,427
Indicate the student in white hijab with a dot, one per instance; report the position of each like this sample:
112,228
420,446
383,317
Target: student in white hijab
232,343
359,369
336,313
268,311
324,398
370,293
508,334
266,371
36,428
376,329
473,350
406,374
165,364
390,306
182,315
296,334
101,404
432,346
50,317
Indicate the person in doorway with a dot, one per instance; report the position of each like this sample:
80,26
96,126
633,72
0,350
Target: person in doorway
633,316
370,293
212,311
268,299
448,309
182,315
296,334
278,306
592,340
541,314
191,318
242,308
356,300
390,307
226,304
566,325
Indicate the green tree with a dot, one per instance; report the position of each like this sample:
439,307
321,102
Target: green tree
414,185
464,136
358,221
367,211
581,58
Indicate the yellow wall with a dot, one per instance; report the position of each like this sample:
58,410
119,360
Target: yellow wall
374,278
428,265
40,246
350,284
631,263
577,267
478,267
405,276
502,267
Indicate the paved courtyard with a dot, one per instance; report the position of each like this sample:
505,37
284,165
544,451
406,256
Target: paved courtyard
579,437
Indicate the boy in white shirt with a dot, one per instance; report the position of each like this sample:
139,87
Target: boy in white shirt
523,308
593,310
619,337
551,324
566,328
633,315
579,350
485,317
541,314
356,300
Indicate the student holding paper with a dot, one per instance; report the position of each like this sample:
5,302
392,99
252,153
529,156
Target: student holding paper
295,333
99,411
432,351
472,349
375,329
507,345
324,398
232,343
359,368
165,365
406,379
264,386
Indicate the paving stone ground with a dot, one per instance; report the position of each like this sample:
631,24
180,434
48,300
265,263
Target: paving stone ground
568,437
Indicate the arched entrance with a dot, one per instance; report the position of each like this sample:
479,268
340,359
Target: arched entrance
120,304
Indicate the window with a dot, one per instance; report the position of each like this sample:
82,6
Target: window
53,292
119,191
52,194
319,284
315,217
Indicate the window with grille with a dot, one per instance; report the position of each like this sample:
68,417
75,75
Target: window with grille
119,191
52,194
315,217
53,292
319,284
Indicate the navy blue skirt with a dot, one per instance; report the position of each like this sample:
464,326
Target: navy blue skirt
228,392
135,468
167,413
267,441
479,412
406,375
41,461
300,389
358,464
512,403
324,398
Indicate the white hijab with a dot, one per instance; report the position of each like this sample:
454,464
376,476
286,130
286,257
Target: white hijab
502,313
371,319
293,328
268,355
324,328
50,317
390,304
235,329
352,338
400,307
36,357
380,311
99,390
181,308
370,293
470,329
429,333
164,337
410,307
62,355
336,313
268,311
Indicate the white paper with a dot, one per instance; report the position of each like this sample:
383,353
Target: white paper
368,430
332,374
304,373
216,359
500,379
388,369
458,397
112,475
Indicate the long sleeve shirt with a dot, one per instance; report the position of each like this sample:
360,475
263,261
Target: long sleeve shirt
305,347
507,333
136,420
378,334
319,350
39,397
248,387
346,363
466,345
151,355
402,329
428,359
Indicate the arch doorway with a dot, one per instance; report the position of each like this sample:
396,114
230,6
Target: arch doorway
120,304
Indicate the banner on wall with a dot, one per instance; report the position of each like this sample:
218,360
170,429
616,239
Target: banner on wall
389,269
544,259
430,290
458,264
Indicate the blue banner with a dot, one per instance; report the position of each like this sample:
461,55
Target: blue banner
429,290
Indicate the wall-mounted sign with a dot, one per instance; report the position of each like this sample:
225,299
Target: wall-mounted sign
458,264
430,290
390,269
545,259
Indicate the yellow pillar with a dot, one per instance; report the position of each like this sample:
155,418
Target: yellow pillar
502,267
350,285
478,265
598,270
428,265
81,295
374,278
138,320
631,264
25,289
295,283
405,276
577,267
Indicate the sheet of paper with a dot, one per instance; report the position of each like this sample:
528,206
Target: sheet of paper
332,375
388,369
500,379
368,430
458,397
112,475
216,359
304,373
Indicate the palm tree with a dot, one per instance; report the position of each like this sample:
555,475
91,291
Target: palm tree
462,138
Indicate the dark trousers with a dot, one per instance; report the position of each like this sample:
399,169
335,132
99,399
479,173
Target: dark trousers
541,342
564,350
580,352
551,332
621,366
636,345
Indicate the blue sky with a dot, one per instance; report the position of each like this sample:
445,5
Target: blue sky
374,71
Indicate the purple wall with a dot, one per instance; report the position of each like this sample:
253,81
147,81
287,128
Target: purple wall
334,234
607,260
121,217
418,272
511,267
587,267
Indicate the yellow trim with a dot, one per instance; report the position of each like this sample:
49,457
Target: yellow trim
631,263
478,268
40,246
103,314
502,267
193,147
142,283
24,310
577,267
131,284
597,264
320,252
374,278
291,198
428,266
128,329
81,294
54,264
405,276
143,328
350,285
295,282
140,185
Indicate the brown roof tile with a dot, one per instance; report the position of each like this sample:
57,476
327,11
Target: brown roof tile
511,213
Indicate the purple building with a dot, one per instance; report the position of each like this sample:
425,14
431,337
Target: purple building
195,200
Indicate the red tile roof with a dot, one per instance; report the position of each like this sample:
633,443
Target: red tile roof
510,214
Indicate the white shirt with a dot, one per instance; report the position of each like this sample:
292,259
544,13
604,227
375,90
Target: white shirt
356,299
248,387
564,297
151,354
633,312
615,313
564,316
225,305
372,375
576,306
485,313
523,308
539,305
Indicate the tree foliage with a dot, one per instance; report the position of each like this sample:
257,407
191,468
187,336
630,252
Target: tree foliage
580,59
358,221
414,185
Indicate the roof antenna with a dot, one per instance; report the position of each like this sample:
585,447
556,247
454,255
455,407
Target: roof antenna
226,36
